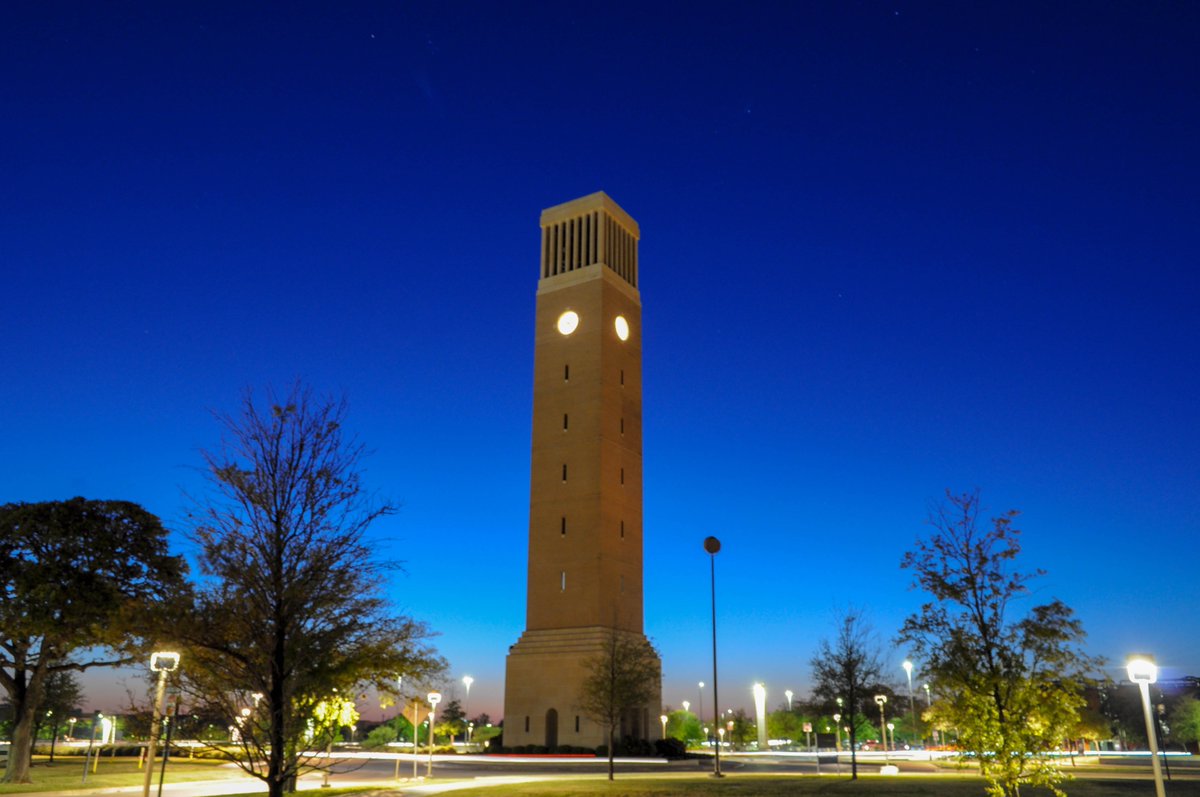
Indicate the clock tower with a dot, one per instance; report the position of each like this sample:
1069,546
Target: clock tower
585,496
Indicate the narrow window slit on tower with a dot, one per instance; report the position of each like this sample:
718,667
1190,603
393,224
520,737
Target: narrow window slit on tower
622,377
564,526
622,426
622,529
564,422
622,475
562,581
576,723
564,471
566,373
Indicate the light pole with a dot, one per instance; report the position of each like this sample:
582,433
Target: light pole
700,713
760,709
161,663
663,719
434,698
467,681
912,706
712,545
1143,672
416,707
71,728
880,700
928,702
788,694
837,730
892,731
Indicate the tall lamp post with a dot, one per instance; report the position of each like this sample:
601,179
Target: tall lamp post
912,706
467,681
880,700
161,663
663,719
1143,672
760,709
712,545
434,699
788,694
700,712
837,731
416,707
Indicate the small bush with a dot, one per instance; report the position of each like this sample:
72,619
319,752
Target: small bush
670,748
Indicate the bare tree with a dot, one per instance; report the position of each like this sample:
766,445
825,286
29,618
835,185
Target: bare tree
289,619
623,677
847,668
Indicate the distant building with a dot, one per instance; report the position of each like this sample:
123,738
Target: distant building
585,504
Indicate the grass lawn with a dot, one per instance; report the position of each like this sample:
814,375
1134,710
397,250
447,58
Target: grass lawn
66,773
780,785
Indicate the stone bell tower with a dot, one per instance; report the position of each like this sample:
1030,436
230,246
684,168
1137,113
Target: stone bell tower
585,493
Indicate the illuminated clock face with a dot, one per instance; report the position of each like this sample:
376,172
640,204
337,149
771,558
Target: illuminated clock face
567,322
622,327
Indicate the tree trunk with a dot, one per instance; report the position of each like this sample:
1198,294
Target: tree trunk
21,751
853,750
610,752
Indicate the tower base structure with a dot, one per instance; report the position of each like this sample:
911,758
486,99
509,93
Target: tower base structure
544,675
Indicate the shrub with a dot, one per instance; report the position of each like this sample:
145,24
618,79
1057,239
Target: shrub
670,748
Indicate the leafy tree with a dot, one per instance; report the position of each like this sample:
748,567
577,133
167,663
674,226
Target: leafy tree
452,720
784,724
76,577
1011,686
743,730
60,700
848,668
485,733
624,676
684,726
1184,719
381,736
290,610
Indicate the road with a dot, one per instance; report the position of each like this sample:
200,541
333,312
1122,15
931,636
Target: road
396,771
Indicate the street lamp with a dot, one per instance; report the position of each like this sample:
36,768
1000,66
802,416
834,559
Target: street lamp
711,546
434,698
161,663
700,713
912,706
928,702
788,694
880,700
467,681
687,706
663,719
71,727
760,709
1143,672
892,731
837,730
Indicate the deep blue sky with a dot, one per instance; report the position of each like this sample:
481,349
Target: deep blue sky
888,249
